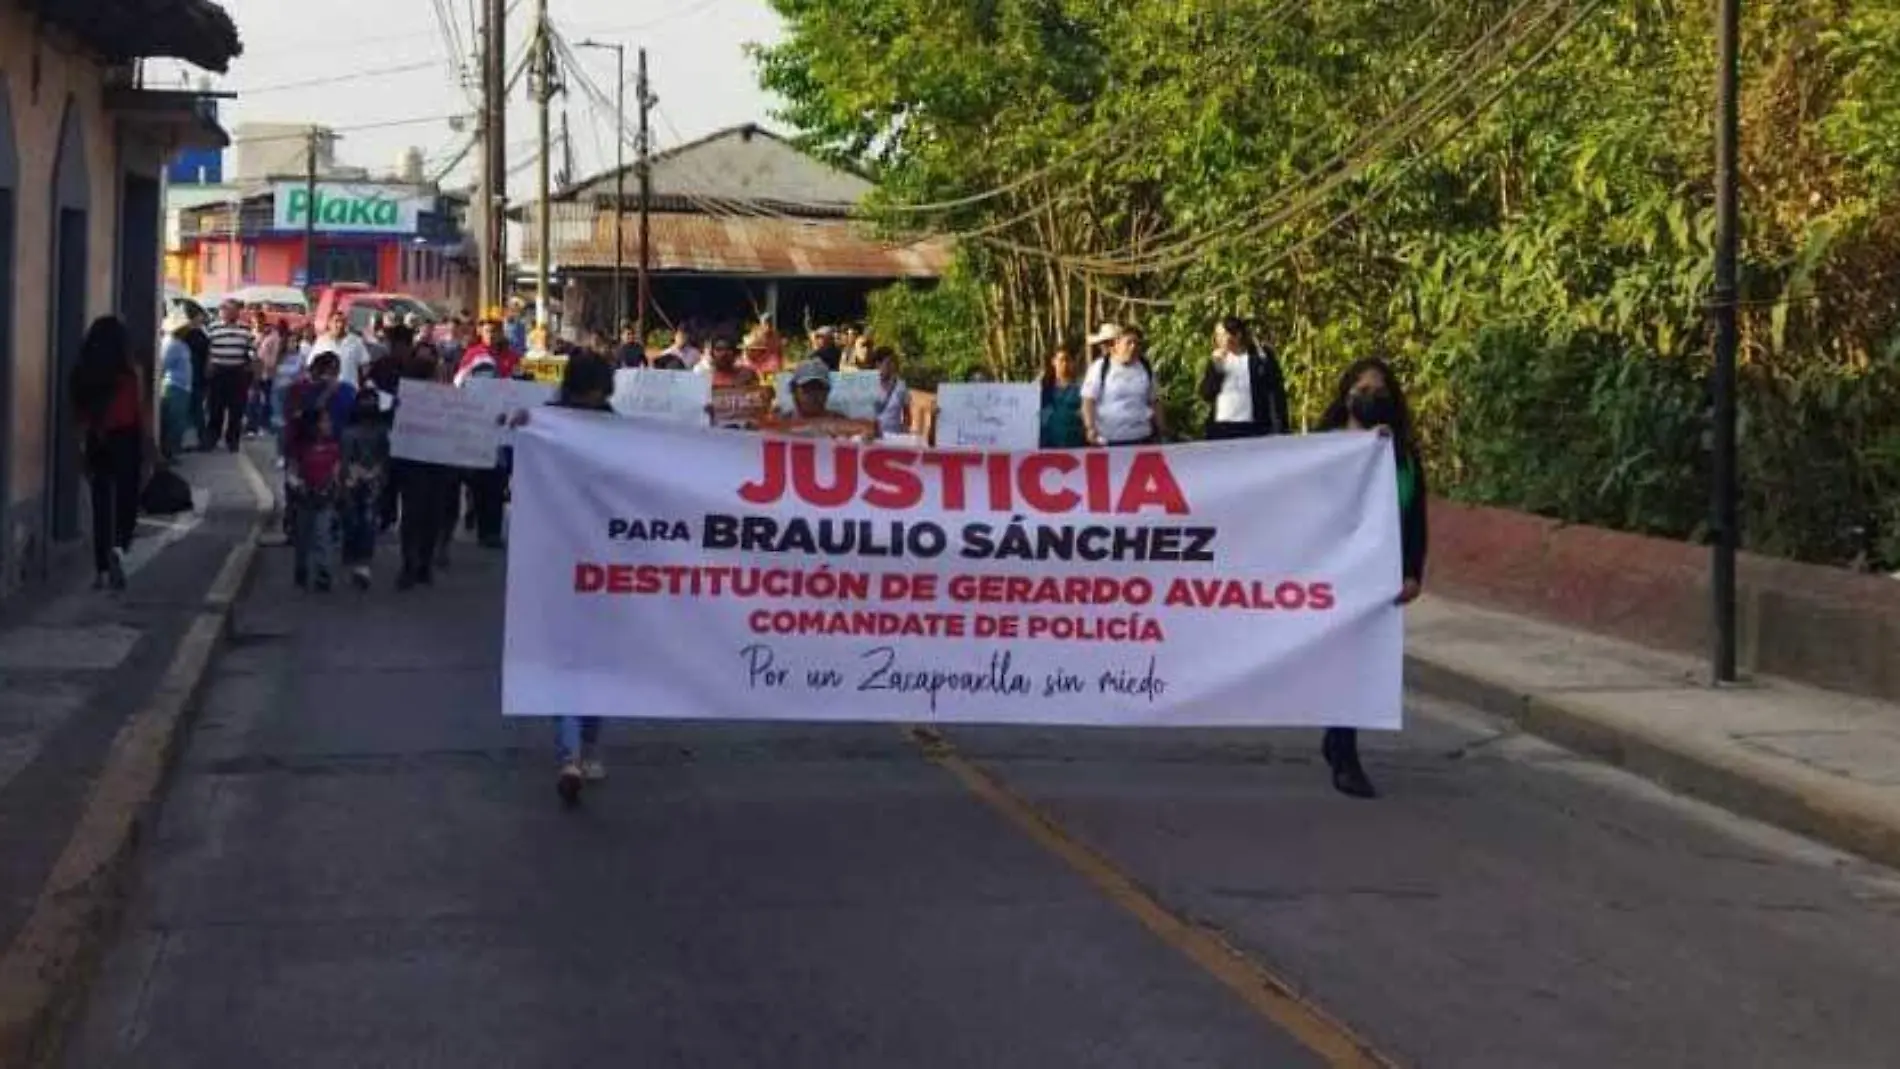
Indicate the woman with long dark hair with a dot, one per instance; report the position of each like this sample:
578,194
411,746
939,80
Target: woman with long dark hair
1243,386
1062,400
108,397
1370,398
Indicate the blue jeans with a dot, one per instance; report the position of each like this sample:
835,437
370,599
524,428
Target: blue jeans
571,732
174,415
316,537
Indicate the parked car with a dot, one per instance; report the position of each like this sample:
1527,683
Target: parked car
286,303
360,305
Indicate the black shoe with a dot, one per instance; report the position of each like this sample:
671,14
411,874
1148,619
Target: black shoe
360,580
302,579
1341,750
568,786
425,577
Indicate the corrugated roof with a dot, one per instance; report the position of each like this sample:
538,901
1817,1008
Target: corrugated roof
808,248
198,31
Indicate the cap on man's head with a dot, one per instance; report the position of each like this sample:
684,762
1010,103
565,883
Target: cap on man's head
1107,332
811,372
825,332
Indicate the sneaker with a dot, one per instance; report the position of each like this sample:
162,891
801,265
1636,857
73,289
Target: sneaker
593,771
115,574
359,578
323,584
569,783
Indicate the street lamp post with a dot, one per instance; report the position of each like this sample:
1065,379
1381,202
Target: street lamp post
1723,518
620,175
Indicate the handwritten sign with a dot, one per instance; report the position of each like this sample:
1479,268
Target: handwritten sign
740,406
989,415
506,396
853,393
672,396
439,424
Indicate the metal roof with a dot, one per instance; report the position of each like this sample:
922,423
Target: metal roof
732,245
198,31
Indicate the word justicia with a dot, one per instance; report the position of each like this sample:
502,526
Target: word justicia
1049,483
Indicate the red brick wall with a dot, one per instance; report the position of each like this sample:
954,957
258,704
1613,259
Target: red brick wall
1825,626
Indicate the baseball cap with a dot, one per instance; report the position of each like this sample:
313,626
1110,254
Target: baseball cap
811,371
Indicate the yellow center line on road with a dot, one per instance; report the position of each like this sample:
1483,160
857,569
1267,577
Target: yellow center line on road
1263,992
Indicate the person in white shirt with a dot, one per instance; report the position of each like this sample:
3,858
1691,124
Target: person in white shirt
683,348
1243,385
350,350
1119,402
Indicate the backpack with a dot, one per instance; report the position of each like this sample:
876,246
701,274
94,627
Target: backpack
166,494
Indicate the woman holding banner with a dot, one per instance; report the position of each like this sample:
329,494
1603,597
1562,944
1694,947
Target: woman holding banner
1369,398
587,383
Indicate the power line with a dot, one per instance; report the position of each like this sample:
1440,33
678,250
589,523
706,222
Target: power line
333,79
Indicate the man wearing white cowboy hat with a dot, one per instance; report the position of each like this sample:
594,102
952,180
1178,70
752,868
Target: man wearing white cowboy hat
175,385
1105,334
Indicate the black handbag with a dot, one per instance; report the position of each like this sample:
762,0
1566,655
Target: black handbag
166,494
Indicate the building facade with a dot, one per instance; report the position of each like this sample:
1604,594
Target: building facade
743,226
392,236
82,158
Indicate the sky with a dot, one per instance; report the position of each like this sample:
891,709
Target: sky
381,61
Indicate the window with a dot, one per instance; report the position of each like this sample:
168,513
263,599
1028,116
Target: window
211,261
249,253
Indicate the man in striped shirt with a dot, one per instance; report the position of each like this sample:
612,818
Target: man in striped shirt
228,377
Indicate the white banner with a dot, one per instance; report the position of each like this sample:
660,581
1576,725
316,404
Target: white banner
989,415
753,577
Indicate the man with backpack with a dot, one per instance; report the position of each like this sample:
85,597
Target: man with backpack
1120,405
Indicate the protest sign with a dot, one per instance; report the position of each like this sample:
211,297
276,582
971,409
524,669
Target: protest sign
740,406
506,396
828,426
772,578
439,424
672,396
989,415
544,369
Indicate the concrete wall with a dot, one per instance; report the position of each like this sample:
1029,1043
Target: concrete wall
1825,626
43,75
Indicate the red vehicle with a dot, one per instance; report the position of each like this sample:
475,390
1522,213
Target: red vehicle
360,306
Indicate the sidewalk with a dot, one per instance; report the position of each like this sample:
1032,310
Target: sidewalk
93,686
1822,764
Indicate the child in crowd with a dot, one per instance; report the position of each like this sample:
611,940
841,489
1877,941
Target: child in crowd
365,445
315,479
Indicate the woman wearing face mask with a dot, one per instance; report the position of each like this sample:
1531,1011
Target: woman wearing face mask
1369,398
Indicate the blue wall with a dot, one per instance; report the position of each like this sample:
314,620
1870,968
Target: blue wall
196,167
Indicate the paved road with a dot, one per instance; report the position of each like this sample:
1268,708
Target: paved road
362,865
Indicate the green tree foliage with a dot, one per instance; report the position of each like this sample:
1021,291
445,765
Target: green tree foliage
1512,201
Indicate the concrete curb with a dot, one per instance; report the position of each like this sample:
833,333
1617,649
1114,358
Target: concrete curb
1809,804
45,972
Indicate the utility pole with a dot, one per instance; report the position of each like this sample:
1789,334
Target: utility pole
494,187
310,212
620,179
1723,523
543,93
647,100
